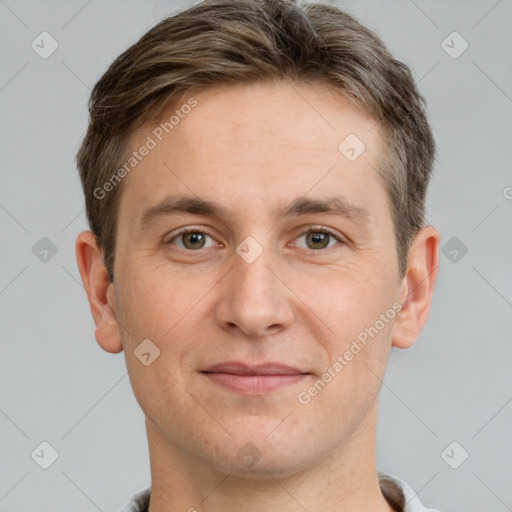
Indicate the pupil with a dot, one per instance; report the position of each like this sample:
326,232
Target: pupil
194,238
317,238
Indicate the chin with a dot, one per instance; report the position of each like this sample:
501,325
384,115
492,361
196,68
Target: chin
260,456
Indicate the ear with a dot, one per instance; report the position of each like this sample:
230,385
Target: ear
100,292
417,287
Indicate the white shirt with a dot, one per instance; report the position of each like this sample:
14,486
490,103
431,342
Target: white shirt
140,501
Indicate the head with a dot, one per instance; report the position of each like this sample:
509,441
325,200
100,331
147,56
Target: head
260,120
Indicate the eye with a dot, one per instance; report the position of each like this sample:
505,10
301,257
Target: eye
191,239
319,238
194,238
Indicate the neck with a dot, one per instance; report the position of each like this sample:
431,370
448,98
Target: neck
343,480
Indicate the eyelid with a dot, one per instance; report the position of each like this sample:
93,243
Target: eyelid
304,231
322,229
189,229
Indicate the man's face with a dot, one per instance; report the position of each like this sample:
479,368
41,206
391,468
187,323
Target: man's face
285,296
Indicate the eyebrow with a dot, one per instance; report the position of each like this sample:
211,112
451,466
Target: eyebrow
336,205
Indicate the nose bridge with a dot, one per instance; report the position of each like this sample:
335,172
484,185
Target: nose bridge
254,299
252,265
253,277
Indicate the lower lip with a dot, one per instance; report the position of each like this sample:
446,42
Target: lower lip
254,384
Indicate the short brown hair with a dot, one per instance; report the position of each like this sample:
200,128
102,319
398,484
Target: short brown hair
247,41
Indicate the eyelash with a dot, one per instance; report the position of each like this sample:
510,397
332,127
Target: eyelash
313,229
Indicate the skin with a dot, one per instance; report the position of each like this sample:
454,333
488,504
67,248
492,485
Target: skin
255,148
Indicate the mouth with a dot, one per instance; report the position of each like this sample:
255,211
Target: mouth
254,379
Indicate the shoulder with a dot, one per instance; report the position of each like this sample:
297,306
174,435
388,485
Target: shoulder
139,502
398,491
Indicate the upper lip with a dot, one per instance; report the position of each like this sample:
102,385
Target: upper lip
241,368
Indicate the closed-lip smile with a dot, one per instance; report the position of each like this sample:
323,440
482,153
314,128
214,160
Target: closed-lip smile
253,379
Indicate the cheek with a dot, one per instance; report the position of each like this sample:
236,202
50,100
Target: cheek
352,378
153,301
346,298
357,314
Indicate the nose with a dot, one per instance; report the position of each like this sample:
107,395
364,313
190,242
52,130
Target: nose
254,298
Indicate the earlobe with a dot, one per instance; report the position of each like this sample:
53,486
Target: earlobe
417,287
99,291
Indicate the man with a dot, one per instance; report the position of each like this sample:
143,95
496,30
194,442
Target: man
255,175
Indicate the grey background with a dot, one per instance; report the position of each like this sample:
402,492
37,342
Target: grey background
57,385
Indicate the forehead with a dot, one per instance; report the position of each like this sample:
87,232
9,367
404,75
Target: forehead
256,142
303,117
